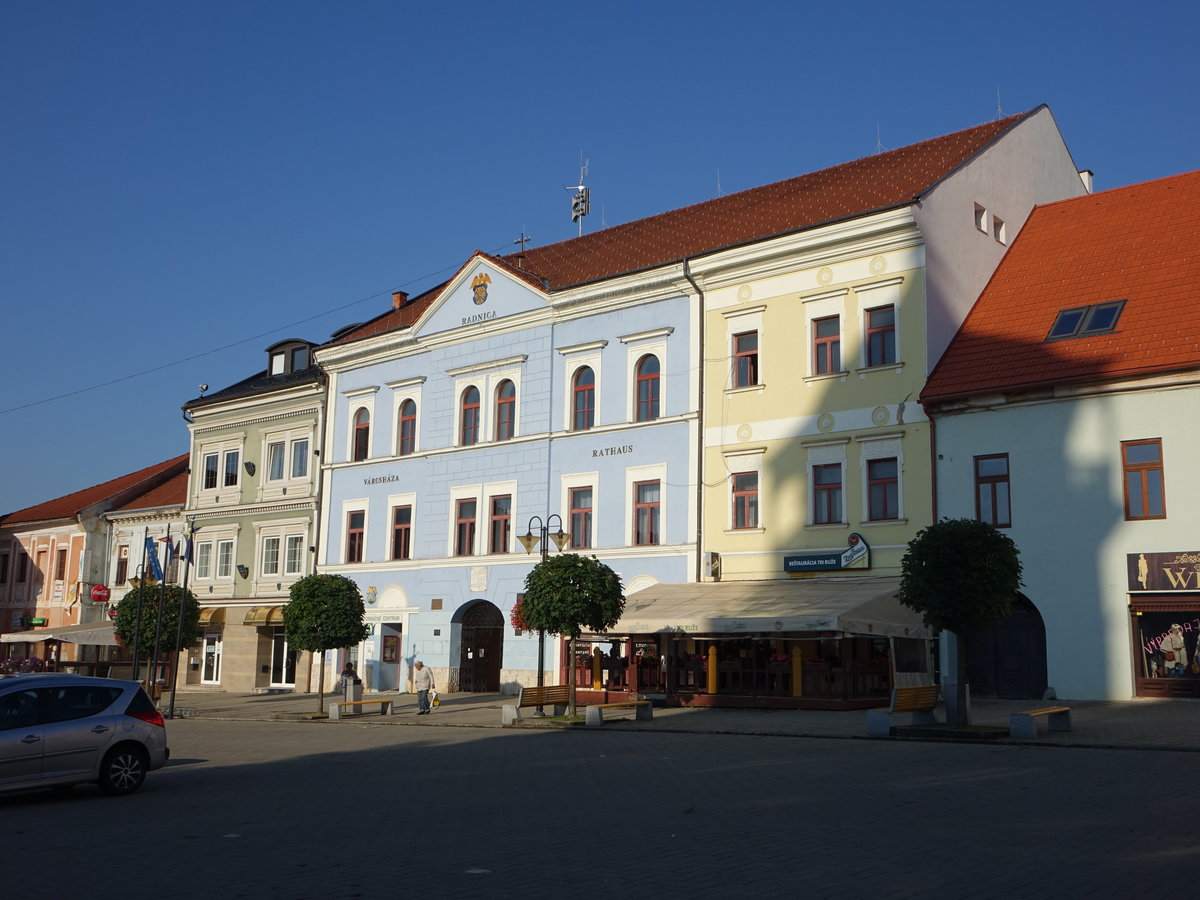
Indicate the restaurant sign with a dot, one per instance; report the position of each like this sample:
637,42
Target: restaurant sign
856,555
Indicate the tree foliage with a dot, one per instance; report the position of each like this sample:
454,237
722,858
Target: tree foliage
133,634
325,612
960,574
567,592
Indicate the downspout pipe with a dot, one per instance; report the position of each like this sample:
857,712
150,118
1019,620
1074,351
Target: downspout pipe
687,273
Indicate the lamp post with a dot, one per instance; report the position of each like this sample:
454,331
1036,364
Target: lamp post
529,540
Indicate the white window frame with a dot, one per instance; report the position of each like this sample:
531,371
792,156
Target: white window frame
406,499
221,449
740,320
231,562
576,357
823,306
360,398
499,489
281,530
339,546
580,480
214,537
636,346
739,462
872,448
873,296
467,492
486,377
633,475
826,453
406,389
274,488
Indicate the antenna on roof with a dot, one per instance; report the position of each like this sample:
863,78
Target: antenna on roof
879,148
999,111
720,192
581,203
523,240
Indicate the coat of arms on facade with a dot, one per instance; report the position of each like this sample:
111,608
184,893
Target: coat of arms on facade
479,286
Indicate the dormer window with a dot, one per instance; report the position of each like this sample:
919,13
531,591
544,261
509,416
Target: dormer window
289,356
1082,321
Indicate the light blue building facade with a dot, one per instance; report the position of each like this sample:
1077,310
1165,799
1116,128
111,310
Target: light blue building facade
458,417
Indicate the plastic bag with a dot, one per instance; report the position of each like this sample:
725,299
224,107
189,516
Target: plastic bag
434,700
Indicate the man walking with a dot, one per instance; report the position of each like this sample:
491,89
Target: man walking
423,684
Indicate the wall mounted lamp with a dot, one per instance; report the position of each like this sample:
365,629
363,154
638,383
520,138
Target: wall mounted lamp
243,571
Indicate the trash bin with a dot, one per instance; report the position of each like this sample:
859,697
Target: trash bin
354,691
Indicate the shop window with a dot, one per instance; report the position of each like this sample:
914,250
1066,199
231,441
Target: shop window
1142,464
991,490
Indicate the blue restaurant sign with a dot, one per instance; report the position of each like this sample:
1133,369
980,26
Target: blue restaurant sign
828,562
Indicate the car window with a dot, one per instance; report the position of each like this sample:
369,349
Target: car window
18,710
62,704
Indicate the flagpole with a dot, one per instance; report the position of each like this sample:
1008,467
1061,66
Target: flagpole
137,622
186,557
162,598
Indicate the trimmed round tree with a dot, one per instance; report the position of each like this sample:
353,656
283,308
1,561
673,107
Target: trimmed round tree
566,593
139,636
960,574
325,612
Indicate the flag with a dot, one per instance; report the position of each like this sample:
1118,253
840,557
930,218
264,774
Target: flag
185,547
152,555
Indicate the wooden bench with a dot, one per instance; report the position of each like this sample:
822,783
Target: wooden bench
1023,725
338,707
918,701
556,696
594,717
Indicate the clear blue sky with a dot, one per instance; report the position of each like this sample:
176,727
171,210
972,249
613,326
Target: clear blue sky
194,181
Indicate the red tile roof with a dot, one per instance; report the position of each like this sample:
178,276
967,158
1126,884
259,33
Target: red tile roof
871,184
72,504
1139,243
169,493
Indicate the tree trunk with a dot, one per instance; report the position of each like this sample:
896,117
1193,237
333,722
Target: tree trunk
321,686
571,675
961,715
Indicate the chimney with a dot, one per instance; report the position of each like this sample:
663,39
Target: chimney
399,298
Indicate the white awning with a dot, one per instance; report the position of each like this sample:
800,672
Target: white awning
862,605
87,633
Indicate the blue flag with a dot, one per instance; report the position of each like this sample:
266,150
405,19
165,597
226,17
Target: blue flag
152,555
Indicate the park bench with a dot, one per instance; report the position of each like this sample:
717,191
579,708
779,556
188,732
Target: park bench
594,717
337,708
918,701
556,696
1023,725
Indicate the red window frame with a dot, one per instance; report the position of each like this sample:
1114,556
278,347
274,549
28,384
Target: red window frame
646,513
581,517
827,347
506,410
745,359
468,434
993,497
362,435
883,489
60,565
402,532
745,500
500,530
827,495
465,512
356,522
408,428
881,336
648,384
583,399
1143,477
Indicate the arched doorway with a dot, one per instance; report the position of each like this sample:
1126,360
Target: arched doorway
481,648
1008,660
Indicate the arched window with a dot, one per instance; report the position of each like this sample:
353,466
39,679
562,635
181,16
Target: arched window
469,432
583,403
506,410
647,389
362,434
408,428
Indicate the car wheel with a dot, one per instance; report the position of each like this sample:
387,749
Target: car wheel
123,770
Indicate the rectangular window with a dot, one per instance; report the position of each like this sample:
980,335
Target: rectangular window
827,494
225,559
881,336
300,458
22,566
464,528
991,490
1142,463
270,560
4,570
883,489
402,532
204,560
827,345
356,523
745,500
210,471
581,518
275,461
231,467
501,530
745,359
293,563
60,566
647,498
122,565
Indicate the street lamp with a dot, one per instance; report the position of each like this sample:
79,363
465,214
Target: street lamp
529,540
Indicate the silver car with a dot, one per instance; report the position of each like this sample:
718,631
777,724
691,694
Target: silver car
59,730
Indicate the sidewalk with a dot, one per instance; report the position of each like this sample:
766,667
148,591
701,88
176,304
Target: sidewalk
1131,724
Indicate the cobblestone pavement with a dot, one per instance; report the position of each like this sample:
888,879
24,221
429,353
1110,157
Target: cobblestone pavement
362,808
